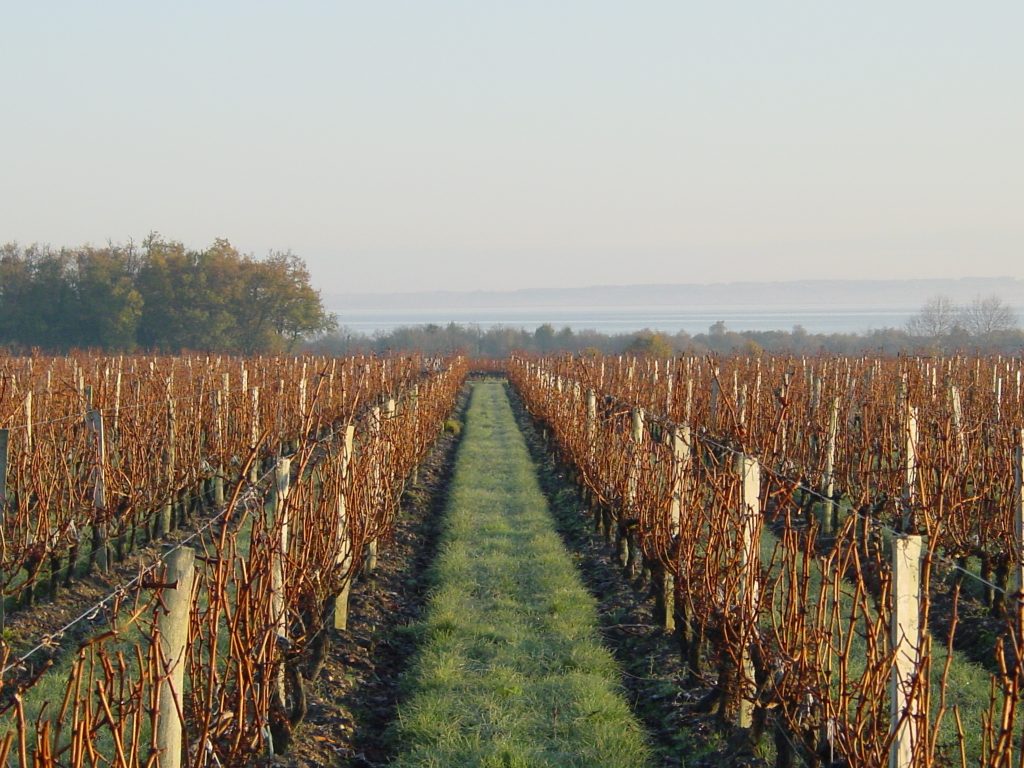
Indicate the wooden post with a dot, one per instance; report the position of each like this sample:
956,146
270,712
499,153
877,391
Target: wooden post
906,643
28,420
828,486
716,389
750,560
414,402
344,557
782,402
99,495
278,607
590,435
4,443
282,447
170,453
377,446
626,556
679,440
5,435
254,435
117,399
173,625
1018,510
218,472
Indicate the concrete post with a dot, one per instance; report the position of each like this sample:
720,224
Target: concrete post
750,536
954,401
906,643
910,479
679,439
174,624
591,422
681,448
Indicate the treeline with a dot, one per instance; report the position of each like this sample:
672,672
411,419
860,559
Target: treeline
500,341
157,296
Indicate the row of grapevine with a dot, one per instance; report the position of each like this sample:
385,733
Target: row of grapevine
767,500
272,479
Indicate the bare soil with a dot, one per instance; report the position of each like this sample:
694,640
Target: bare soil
355,697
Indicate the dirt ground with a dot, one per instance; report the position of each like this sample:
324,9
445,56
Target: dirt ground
353,701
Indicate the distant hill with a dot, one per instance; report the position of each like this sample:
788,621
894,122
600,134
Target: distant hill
806,294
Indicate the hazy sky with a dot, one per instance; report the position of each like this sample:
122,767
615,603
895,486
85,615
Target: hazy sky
484,144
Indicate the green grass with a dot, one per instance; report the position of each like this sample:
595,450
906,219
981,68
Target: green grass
46,696
510,672
968,685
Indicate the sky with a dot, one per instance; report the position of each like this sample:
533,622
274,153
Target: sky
421,145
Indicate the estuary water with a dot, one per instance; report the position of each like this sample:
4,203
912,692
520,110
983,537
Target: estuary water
627,319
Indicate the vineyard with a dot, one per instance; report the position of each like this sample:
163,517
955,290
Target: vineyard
834,543
836,539
269,482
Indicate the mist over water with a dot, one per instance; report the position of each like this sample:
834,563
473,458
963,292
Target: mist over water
627,319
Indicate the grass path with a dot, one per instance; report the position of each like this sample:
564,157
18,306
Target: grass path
510,671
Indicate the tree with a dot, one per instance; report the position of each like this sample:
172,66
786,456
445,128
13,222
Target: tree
160,297
275,304
175,309
108,306
937,318
220,299
37,297
544,337
565,339
651,344
988,315
15,283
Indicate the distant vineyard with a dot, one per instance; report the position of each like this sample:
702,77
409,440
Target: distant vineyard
280,474
837,539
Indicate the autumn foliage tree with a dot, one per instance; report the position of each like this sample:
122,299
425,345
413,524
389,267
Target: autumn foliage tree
157,296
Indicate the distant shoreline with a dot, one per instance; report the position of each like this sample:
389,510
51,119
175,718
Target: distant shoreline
823,306
883,296
614,320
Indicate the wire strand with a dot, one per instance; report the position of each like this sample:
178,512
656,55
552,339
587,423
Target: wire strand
122,589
